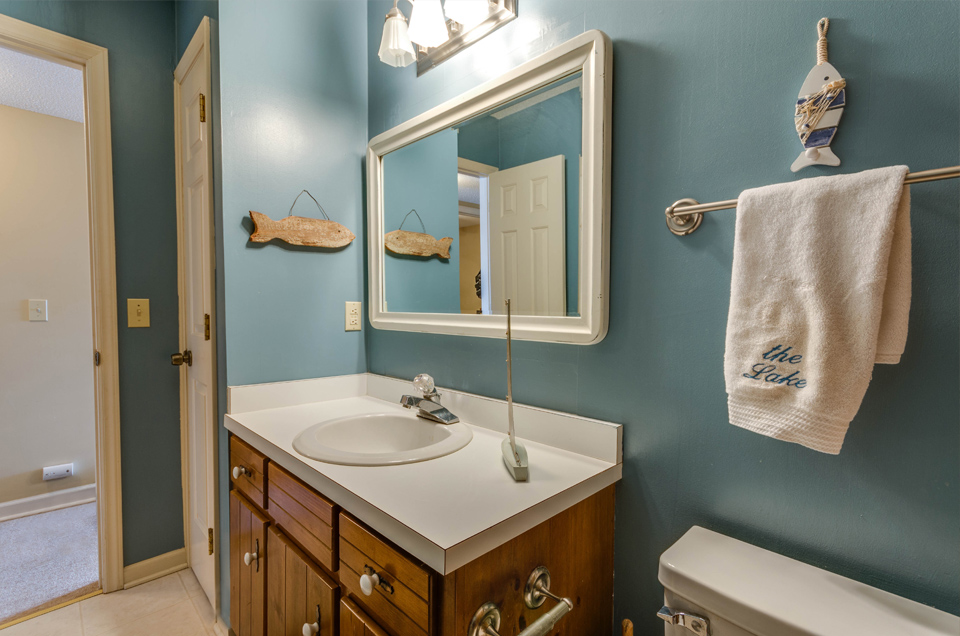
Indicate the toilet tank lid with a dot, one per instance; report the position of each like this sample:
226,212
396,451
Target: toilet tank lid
771,595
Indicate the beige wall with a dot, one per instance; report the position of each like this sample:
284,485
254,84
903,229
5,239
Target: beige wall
469,266
46,368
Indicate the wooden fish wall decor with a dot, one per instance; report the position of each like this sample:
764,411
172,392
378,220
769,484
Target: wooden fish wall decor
299,230
819,107
417,243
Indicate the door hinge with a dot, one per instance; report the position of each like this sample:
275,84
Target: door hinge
206,326
203,108
209,540
96,358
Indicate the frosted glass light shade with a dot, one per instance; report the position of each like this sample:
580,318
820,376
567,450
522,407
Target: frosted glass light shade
469,13
396,49
428,27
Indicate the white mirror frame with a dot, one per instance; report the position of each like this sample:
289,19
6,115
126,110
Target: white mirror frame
589,53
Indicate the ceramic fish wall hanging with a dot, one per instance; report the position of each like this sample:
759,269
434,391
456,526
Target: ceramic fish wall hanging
416,243
299,230
819,107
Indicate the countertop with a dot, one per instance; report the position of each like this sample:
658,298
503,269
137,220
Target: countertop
445,511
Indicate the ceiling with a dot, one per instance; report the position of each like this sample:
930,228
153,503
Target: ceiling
34,84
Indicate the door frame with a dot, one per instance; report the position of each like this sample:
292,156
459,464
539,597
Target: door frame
92,60
199,46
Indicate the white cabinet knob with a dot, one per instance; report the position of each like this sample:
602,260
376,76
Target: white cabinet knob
368,582
309,629
250,557
239,470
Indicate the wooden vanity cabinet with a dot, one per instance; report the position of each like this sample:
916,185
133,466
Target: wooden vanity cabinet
300,595
353,622
248,543
311,556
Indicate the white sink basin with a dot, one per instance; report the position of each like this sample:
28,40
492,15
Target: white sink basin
380,439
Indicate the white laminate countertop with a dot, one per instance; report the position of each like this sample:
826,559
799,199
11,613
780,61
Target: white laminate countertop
445,511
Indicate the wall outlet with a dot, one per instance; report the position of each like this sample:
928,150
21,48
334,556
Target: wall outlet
138,312
37,310
57,472
353,317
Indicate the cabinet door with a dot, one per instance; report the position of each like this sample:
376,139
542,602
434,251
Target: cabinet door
353,622
300,595
248,534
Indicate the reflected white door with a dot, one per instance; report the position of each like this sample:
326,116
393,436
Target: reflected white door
196,270
527,254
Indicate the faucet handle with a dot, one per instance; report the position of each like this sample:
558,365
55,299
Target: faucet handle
424,384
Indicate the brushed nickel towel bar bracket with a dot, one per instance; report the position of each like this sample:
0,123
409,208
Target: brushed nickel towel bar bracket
686,215
486,620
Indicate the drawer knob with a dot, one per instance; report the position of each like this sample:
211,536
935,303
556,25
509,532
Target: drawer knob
239,470
309,629
251,557
368,582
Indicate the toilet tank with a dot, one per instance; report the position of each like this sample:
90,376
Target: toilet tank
743,590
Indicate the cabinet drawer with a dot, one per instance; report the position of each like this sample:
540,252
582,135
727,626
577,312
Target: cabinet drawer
252,480
304,515
405,602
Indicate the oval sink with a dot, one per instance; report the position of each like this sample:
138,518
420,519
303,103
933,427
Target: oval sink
380,439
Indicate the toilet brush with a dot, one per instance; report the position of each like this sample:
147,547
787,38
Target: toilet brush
514,454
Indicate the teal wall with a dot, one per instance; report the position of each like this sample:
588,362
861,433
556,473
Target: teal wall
140,40
294,93
423,176
703,107
189,13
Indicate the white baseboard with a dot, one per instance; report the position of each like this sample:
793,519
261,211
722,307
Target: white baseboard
162,565
221,628
48,501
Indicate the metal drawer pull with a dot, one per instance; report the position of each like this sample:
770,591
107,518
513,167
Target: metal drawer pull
486,620
239,470
696,624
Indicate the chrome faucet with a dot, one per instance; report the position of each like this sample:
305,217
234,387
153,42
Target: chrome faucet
428,407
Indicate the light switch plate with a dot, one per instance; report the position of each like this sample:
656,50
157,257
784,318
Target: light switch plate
352,316
37,310
138,312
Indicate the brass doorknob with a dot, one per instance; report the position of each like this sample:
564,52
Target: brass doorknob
178,359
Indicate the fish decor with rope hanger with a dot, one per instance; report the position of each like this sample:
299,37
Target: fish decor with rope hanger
299,230
819,107
416,243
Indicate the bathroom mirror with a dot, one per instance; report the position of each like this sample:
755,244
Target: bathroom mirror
501,193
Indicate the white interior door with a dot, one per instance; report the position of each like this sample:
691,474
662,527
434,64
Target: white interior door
196,269
527,254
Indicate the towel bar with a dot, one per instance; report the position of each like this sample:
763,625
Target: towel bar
680,223
486,620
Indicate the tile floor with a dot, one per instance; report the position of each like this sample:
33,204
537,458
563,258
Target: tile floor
170,606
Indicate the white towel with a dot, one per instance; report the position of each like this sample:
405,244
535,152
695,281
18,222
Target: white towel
820,291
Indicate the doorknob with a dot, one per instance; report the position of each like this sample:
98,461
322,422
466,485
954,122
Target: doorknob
178,359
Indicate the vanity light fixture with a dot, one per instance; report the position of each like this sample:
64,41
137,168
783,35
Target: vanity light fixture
396,49
438,31
469,13
428,27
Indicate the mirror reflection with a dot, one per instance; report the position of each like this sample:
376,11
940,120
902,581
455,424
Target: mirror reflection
487,210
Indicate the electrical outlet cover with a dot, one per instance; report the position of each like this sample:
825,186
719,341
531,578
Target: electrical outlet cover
352,316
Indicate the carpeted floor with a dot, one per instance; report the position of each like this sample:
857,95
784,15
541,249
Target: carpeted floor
48,559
